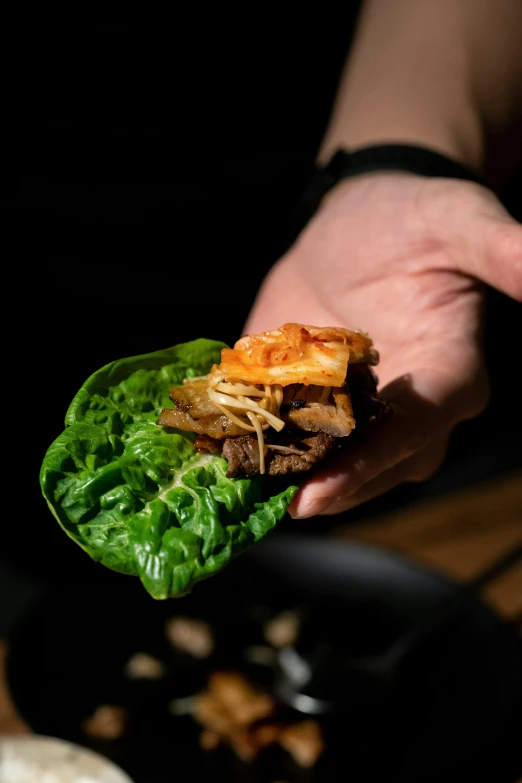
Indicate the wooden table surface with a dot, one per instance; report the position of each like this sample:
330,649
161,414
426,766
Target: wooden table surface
460,534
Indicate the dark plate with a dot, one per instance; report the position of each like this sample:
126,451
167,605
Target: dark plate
68,654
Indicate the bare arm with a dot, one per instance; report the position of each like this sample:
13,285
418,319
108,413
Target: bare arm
445,74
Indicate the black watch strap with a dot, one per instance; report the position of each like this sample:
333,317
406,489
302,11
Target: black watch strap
395,157
382,157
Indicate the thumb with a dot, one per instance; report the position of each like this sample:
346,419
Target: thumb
494,252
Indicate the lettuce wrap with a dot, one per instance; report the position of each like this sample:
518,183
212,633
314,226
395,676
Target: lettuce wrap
139,498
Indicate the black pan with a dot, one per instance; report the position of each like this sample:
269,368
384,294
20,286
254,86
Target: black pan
68,653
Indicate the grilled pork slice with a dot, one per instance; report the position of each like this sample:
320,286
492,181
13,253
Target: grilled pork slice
318,409
303,449
195,412
316,418
242,454
310,408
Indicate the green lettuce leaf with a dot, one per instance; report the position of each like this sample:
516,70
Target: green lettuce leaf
139,499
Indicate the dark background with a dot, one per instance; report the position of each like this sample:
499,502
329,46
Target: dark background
152,169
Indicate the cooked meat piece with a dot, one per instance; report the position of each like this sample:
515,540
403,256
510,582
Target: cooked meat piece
304,741
242,454
318,409
191,397
368,407
191,636
218,426
107,722
144,666
282,630
206,445
315,448
330,412
195,412
343,403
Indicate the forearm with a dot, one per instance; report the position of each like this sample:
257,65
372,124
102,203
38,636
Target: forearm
445,74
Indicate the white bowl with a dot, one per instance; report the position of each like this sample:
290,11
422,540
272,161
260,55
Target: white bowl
51,760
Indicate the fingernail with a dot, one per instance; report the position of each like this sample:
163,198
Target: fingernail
314,508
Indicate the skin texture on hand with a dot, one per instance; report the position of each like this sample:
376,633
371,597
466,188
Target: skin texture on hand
403,258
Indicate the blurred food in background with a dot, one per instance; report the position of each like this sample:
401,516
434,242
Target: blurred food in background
144,666
191,636
107,722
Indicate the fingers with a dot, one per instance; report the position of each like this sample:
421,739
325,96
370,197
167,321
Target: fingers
504,259
409,430
417,468
426,408
490,241
408,447
497,257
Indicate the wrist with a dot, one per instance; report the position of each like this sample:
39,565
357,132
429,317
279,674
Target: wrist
402,161
397,88
459,139
360,183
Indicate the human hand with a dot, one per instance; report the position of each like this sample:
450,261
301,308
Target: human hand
403,258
